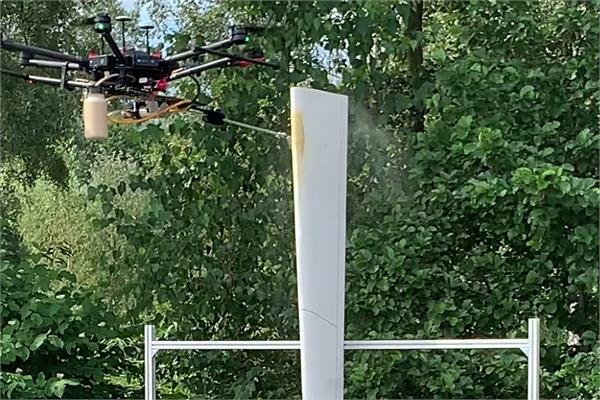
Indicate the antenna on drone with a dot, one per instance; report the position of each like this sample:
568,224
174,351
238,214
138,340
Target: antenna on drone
147,29
122,19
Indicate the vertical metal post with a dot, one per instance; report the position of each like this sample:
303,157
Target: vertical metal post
533,359
319,147
149,363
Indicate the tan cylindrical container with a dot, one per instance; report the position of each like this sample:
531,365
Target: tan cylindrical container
95,122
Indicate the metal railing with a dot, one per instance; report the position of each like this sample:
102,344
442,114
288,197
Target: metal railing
529,346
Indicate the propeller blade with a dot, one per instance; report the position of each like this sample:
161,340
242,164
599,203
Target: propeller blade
254,28
86,21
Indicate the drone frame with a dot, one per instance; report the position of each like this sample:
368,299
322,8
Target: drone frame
41,57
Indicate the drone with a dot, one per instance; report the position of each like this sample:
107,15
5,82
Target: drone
141,78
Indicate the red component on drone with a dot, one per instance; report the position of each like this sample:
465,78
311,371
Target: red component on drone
161,85
244,64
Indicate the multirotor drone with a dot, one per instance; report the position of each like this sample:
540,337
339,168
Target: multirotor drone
139,77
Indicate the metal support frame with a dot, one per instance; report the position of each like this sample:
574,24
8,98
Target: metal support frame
530,347
533,359
438,344
53,64
149,363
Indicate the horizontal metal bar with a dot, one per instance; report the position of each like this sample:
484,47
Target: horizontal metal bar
54,64
56,81
227,345
438,344
46,79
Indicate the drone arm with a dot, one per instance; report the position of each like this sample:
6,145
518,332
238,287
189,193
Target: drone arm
13,73
196,51
53,64
114,47
47,80
182,73
221,62
237,57
38,51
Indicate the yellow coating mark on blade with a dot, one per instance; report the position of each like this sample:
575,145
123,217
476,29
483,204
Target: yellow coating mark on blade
297,133
297,145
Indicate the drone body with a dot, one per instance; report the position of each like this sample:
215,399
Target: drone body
141,77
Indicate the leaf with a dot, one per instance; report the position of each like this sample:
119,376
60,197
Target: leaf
475,67
107,208
390,253
435,100
470,148
565,186
38,341
36,319
135,136
62,327
203,98
550,308
57,387
438,55
91,192
533,278
121,188
56,341
525,90
588,335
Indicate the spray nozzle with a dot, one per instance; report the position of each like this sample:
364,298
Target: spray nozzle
215,117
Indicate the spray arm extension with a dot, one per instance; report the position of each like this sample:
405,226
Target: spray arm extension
216,117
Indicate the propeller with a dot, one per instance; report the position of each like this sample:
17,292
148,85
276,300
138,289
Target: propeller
91,20
86,21
254,28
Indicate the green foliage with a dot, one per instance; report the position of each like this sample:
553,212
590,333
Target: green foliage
57,340
55,218
579,375
225,271
499,227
